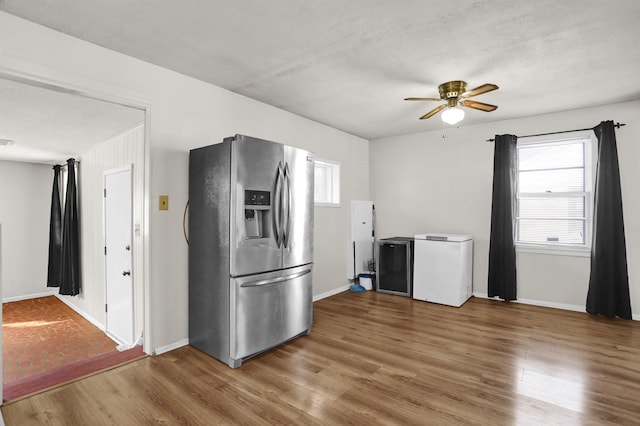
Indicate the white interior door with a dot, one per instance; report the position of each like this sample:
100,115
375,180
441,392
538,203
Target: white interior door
118,254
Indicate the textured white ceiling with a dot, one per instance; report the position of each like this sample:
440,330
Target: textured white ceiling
349,64
49,126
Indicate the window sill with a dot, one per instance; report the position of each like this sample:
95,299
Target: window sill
554,250
327,204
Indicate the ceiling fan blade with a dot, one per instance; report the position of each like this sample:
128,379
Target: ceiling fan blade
478,105
433,112
479,90
422,99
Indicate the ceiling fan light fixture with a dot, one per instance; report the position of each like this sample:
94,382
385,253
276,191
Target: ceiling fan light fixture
455,95
452,115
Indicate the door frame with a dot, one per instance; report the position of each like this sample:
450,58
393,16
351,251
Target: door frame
20,73
105,174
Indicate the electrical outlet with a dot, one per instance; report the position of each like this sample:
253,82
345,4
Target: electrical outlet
163,202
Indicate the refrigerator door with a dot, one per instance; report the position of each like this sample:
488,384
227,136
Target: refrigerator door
257,180
268,309
298,207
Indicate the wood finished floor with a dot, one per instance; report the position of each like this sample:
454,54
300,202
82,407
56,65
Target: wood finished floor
380,359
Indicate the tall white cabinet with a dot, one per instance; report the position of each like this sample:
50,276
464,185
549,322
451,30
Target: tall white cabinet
361,229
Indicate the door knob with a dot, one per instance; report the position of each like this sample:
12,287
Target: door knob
125,273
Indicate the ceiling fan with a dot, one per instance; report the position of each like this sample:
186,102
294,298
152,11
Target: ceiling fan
455,93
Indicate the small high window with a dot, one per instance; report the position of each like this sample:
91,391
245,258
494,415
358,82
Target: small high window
327,183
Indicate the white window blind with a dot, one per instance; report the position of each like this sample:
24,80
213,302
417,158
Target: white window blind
553,205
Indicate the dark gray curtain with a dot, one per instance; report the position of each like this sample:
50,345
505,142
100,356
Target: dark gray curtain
70,276
55,233
609,281
502,249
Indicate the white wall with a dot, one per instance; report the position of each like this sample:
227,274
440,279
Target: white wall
1,307
186,113
169,177
423,183
25,208
123,149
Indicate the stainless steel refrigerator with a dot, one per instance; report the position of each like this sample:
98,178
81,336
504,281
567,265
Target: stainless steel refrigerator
250,246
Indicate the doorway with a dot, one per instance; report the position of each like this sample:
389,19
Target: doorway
37,100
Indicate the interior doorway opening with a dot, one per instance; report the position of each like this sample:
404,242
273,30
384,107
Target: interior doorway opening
124,145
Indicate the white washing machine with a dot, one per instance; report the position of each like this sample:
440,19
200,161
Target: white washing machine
443,268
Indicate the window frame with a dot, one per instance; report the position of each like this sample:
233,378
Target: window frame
334,192
590,149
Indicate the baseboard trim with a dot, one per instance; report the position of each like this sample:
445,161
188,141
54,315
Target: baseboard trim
543,303
330,293
29,296
171,346
82,313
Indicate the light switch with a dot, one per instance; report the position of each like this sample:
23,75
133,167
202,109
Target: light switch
163,202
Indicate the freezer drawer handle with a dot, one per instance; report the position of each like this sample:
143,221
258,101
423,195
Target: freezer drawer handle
275,280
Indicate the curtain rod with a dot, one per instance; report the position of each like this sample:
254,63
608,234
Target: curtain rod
65,165
617,126
75,162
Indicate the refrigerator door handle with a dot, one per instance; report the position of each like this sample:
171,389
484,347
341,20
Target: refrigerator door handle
277,206
287,199
275,280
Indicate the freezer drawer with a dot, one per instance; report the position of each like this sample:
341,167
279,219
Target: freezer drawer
269,309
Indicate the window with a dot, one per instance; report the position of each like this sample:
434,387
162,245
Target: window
327,183
554,194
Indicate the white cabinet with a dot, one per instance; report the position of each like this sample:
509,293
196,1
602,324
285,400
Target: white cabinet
361,252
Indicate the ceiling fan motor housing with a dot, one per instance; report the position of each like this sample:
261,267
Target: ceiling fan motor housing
452,89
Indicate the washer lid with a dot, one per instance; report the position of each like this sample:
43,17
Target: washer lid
434,236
